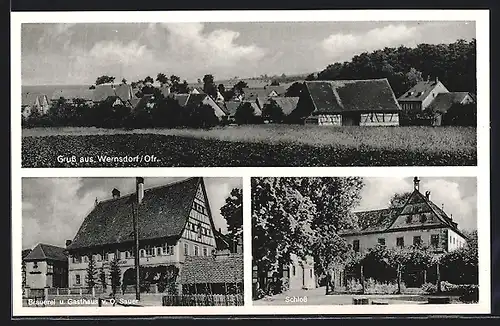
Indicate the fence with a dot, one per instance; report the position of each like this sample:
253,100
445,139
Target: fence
203,300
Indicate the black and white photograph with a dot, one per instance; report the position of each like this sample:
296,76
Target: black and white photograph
365,241
104,242
266,94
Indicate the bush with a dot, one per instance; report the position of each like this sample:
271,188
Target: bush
374,287
354,286
429,288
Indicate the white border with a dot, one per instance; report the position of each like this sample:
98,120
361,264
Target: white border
481,18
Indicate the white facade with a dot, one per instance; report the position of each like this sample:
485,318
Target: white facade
301,273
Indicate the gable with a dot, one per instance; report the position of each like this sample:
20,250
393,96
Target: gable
420,212
217,110
200,226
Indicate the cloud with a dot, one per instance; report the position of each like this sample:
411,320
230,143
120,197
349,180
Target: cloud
218,48
107,52
343,46
56,34
377,192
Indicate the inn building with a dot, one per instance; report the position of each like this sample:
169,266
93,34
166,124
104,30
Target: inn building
174,222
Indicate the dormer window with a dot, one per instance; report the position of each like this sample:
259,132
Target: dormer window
423,218
408,219
420,93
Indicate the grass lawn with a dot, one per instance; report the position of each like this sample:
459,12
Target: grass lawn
259,145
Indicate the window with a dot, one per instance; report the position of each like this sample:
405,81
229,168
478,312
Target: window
400,242
142,253
186,249
205,251
381,241
106,256
409,218
99,257
78,259
77,279
434,240
196,250
355,245
85,259
417,240
310,273
454,240
35,265
149,251
50,269
293,270
199,230
423,218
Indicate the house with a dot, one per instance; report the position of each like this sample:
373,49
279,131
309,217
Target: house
287,104
46,266
444,101
259,94
122,94
230,108
368,102
221,272
174,222
31,102
418,222
71,94
420,96
195,100
25,253
300,273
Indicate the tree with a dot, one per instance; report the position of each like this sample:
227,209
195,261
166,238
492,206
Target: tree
461,115
245,114
91,276
209,86
102,278
238,87
104,80
272,112
124,81
202,116
281,222
399,199
221,88
149,80
92,87
162,79
232,211
114,275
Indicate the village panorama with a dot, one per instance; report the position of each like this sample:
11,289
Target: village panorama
170,243
411,102
355,241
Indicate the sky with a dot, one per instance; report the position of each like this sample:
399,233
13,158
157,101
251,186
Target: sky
70,54
54,208
458,194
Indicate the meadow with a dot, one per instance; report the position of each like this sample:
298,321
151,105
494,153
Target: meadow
256,145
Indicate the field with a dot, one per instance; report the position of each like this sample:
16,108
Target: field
261,145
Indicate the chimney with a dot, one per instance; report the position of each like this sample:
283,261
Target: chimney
437,79
416,183
139,189
115,193
96,202
68,242
428,195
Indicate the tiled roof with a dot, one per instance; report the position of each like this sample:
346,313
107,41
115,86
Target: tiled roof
46,252
231,107
163,214
30,98
443,101
420,91
182,98
381,220
287,104
103,92
373,95
213,269
195,99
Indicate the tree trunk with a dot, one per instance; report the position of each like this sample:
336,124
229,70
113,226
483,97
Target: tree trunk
327,283
362,280
399,278
438,273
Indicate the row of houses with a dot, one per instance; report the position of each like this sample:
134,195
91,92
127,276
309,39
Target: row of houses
176,228
419,221
370,102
